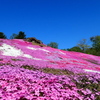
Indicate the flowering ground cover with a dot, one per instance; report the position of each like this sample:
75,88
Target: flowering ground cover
31,72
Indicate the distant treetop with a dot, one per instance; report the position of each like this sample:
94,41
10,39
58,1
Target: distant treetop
2,35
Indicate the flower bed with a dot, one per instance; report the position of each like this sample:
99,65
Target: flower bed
29,72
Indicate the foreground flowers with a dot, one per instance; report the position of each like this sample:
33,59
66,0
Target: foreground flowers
23,84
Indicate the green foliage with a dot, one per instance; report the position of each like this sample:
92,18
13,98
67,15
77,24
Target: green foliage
13,36
57,71
16,59
20,35
53,44
96,44
76,48
91,51
83,45
64,49
49,70
29,67
2,35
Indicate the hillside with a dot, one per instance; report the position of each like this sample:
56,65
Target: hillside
31,72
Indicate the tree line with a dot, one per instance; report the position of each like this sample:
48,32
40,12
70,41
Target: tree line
82,46
20,35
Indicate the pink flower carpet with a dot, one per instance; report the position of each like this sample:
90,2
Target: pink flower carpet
31,72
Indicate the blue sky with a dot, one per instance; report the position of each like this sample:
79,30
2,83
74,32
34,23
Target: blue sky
63,21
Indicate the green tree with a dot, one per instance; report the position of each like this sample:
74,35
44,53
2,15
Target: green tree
20,35
83,45
53,44
64,49
13,36
75,48
96,44
2,35
91,51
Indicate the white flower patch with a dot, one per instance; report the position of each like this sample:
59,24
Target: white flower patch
38,59
37,49
29,56
31,48
91,71
10,51
44,50
62,53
